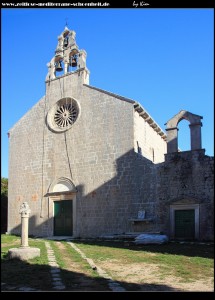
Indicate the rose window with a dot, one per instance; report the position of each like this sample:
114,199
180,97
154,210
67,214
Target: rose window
63,114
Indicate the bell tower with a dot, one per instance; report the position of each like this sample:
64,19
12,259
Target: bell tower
68,59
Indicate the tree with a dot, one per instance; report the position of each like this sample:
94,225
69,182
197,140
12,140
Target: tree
4,201
4,187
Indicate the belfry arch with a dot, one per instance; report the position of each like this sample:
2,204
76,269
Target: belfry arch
195,131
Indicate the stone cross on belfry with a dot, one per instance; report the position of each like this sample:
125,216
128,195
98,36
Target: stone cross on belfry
66,22
24,211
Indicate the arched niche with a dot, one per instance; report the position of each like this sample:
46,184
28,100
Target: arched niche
61,186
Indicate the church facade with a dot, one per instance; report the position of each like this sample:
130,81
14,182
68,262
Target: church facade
92,163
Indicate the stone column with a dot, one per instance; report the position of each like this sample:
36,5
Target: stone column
195,134
24,211
172,140
24,252
66,66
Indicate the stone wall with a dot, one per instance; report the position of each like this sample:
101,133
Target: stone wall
97,154
25,167
152,145
186,178
87,154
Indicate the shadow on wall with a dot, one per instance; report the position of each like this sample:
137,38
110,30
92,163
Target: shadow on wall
138,184
119,198
108,208
32,225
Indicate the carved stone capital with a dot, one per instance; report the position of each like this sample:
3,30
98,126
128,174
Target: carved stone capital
24,209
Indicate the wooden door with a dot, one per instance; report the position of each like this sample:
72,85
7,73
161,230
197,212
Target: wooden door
185,224
63,220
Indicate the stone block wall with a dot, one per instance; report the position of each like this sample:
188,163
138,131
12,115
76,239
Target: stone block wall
87,154
25,168
152,145
186,178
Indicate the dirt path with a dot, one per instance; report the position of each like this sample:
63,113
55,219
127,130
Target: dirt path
146,277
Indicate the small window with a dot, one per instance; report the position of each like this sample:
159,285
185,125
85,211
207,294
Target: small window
139,150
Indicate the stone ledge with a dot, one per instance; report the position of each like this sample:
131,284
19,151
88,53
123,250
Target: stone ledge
23,253
141,220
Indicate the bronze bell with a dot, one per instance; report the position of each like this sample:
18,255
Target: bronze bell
58,66
74,62
65,42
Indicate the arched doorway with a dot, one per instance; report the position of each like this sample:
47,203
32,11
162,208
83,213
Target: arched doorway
62,206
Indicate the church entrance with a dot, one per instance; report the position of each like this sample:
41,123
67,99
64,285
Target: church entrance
185,224
63,217
184,221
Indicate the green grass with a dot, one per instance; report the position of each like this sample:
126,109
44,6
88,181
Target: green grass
187,263
33,273
6,238
58,255
179,265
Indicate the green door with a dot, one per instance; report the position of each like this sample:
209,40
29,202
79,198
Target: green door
185,224
63,217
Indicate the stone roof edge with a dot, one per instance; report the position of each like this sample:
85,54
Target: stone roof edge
146,116
137,107
27,112
109,93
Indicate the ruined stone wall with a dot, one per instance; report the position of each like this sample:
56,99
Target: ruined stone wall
186,178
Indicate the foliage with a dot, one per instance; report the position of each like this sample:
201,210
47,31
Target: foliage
4,203
4,187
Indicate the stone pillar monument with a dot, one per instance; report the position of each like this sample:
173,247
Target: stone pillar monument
24,252
24,211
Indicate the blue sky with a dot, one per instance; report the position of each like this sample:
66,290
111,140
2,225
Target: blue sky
162,58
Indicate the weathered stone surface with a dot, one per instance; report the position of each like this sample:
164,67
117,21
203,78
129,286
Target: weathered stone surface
24,253
151,239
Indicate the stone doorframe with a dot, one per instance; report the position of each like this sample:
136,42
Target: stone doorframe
175,207
62,189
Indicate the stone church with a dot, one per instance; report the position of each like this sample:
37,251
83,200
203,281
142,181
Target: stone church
91,163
